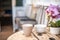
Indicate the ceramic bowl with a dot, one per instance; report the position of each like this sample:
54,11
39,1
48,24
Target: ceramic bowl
40,28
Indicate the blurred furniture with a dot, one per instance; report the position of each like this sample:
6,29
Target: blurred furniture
34,36
30,18
0,23
23,10
23,20
6,18
6,7
29,11
34,15
17,10
1,14
0,26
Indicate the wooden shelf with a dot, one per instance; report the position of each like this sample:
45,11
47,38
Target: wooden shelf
7,15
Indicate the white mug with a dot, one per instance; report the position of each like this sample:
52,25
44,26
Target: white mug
27,29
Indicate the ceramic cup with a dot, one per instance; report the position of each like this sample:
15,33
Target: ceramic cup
40,28
27,29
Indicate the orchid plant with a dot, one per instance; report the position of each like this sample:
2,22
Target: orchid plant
53,13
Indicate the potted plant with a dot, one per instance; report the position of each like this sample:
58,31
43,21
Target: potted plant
53,14
55,27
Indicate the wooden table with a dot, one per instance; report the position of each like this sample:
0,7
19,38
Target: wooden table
45,36
20,36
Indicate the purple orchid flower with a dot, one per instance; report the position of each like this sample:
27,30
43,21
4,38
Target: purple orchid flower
53,10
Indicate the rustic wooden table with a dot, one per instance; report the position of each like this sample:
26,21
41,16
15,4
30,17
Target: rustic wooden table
45,36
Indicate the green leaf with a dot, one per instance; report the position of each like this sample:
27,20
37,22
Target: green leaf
56,24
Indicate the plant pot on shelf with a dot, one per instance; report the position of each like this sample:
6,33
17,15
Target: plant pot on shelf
54,30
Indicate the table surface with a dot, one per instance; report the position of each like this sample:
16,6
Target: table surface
34,36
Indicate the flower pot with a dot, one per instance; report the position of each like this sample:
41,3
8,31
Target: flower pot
54,30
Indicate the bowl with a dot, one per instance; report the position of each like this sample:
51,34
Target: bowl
40,28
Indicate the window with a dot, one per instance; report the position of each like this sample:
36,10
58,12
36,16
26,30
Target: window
19,2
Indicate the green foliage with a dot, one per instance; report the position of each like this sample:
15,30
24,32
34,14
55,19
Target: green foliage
56,24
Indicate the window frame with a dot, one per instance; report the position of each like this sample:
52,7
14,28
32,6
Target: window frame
19,5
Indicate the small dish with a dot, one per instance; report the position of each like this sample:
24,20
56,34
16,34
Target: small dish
40,28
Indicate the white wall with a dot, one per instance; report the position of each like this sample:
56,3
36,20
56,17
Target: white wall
20,11
43,2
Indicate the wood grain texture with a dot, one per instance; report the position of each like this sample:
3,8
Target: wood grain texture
20,36
45,36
